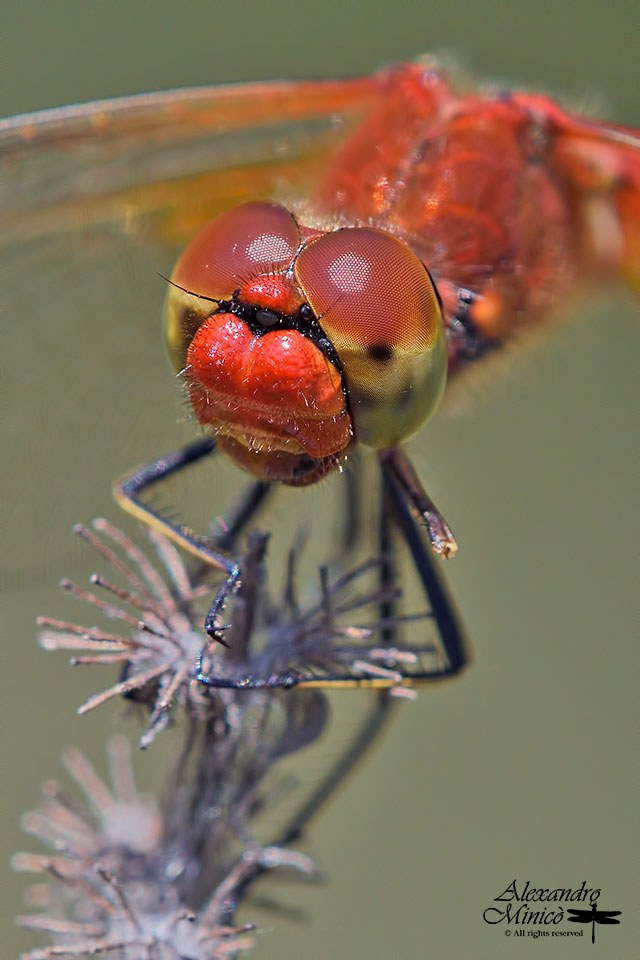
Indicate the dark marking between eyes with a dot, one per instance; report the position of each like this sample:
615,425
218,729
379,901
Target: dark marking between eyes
267,318
380,352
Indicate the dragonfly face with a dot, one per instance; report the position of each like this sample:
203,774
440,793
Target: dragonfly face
318,338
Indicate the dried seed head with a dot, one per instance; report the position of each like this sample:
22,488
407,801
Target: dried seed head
142,881
317,643
161,646
116,891
159,642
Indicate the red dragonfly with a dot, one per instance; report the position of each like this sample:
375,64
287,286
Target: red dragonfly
444,222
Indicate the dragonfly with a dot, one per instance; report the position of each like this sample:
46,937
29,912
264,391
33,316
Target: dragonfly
594,916
435,223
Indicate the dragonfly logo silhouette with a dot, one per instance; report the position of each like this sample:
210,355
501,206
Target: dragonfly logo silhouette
594,916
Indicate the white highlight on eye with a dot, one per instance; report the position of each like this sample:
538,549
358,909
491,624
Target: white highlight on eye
268,247
350,273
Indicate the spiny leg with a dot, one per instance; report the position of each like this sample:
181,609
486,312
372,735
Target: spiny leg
449,627
241,514
397,466
243,619
127,492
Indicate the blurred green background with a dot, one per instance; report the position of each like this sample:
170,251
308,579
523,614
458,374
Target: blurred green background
522,768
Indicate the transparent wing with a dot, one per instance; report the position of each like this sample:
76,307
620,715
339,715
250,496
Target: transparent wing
163,161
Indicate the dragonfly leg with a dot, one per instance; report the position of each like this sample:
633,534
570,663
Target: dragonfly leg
382,702
450,629
127,492
397,466
231,525
351,524
387,578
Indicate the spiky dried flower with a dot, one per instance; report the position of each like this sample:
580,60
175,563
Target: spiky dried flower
160,642
268,644
117,866
143,881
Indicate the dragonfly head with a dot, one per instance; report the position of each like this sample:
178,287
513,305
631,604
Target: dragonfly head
314,340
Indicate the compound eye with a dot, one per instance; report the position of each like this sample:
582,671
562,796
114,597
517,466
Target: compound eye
369,291
375,301
251,239
247,241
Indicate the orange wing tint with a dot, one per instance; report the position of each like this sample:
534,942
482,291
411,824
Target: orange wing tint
165,163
